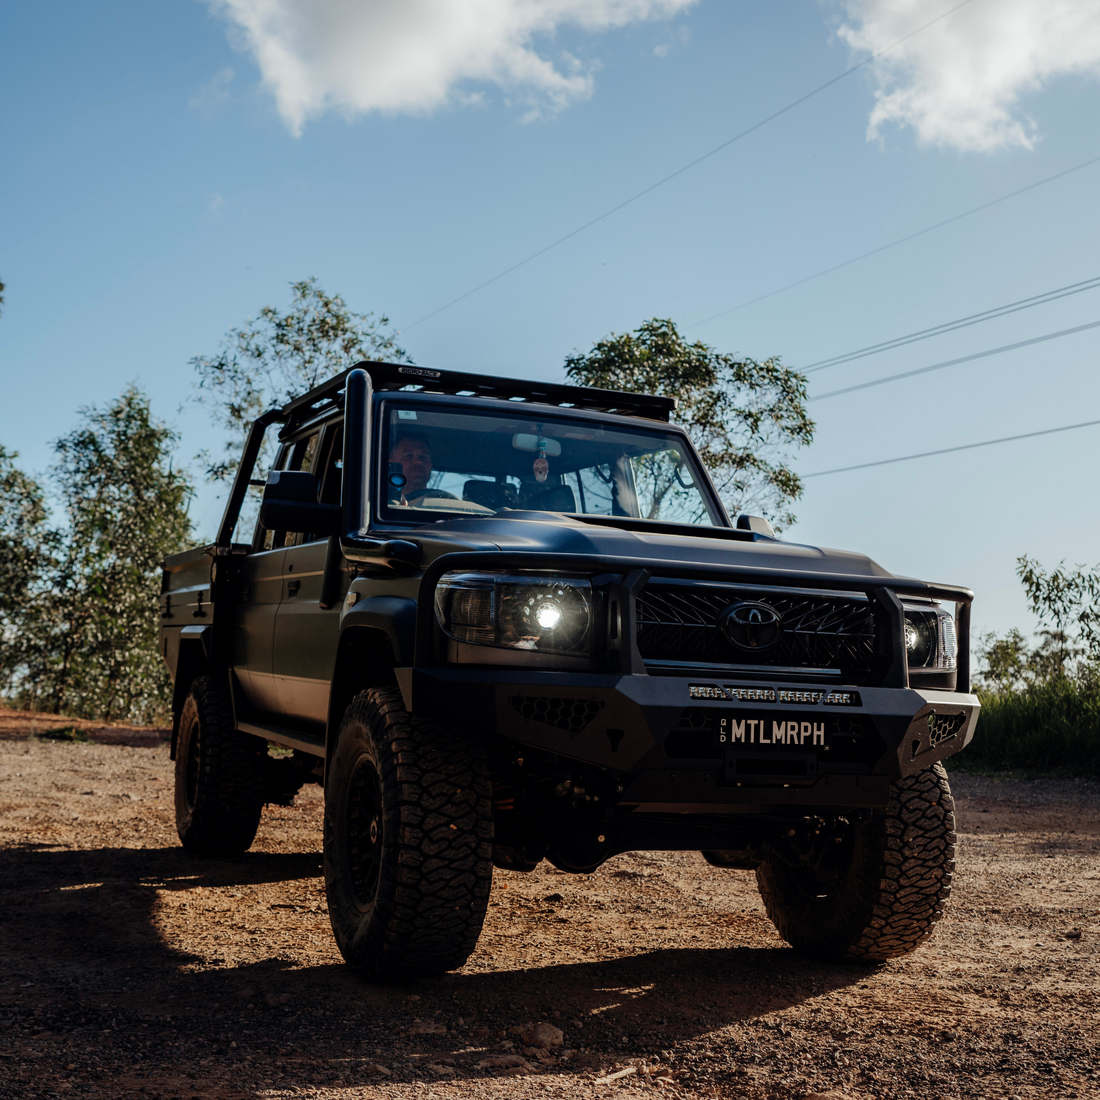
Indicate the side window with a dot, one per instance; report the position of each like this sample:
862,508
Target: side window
298,455
263,539
305,450
331,471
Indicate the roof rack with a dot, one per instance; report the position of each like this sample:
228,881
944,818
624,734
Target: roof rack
399,376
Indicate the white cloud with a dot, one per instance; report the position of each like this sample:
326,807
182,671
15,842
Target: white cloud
959,83
676,36
214,93
418,55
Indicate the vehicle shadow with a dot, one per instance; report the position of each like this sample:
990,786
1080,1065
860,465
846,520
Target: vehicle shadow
78,927
69,908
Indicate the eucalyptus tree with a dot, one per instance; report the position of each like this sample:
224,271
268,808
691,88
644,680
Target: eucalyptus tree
28,554
745,417
125,504
281,355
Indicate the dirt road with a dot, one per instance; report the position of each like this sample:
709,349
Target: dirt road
128,969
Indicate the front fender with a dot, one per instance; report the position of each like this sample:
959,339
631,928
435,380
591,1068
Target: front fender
395,616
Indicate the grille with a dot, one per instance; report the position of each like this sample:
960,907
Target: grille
565,714
679,622
944,727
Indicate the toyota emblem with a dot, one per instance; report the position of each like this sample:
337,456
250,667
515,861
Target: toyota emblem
751,625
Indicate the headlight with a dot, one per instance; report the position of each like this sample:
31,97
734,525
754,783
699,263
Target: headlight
545,614
930,638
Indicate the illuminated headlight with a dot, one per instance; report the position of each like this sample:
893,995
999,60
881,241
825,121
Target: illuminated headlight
545,614
930,638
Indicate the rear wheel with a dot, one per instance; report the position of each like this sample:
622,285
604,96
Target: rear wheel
219,774
869,889
408,839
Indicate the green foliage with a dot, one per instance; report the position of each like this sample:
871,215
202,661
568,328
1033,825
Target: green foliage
1009,664
63,733
127,510
28,550
1045,725
1004,661
92,588
1067,598
280,356
743,416
1041,704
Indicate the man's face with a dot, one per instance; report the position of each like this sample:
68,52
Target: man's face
416,463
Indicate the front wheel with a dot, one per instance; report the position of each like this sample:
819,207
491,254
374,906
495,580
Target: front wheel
408,839
869,889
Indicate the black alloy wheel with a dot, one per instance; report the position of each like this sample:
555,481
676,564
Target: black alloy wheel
366,837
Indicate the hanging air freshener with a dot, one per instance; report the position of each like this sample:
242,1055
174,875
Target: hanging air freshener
541,466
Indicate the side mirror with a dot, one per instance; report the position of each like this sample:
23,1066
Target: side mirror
290,504
757,524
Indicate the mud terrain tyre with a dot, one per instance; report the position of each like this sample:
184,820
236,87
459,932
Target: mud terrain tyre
219,774
408,840
891,888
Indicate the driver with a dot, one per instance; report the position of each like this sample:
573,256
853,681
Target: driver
414,455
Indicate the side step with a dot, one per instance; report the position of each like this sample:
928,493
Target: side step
290,739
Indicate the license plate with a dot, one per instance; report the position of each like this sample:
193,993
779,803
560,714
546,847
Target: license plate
740,730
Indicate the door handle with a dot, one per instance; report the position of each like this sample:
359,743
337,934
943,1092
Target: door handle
292,588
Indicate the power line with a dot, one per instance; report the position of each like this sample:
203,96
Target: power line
953,326
894,244
956,362
680,171
950,450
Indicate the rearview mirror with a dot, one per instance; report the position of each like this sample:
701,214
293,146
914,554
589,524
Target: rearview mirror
290,504
523,442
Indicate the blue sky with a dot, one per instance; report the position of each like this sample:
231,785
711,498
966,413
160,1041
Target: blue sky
154,196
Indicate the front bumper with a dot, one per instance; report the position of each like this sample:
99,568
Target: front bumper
659,740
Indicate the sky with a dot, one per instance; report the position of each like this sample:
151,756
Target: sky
168,169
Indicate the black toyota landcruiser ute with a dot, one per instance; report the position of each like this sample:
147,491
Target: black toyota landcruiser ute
506,621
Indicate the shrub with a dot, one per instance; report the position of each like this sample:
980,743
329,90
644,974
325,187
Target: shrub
1045,725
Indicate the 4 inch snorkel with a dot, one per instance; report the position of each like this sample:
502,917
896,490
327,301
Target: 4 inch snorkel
354,543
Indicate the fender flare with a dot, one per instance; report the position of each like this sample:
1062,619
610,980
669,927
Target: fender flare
188,654
376,636
395,616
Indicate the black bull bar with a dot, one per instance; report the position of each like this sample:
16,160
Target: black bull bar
635,712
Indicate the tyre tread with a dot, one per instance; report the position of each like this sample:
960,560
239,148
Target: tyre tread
230,793
903,887
435,780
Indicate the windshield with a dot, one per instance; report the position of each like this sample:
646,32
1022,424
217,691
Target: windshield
443,460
